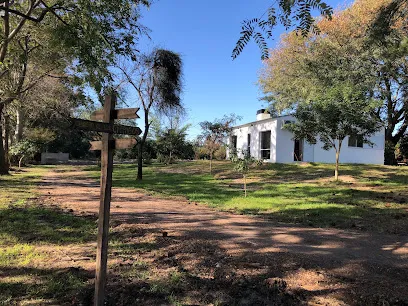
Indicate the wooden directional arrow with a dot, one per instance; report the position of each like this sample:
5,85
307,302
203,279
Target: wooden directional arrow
123,143
104,127
125,113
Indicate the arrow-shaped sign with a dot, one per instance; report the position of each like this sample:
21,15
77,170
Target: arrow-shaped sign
123,143
103,127
125,113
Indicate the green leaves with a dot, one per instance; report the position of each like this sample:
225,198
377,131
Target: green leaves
214,133
289,12
244,163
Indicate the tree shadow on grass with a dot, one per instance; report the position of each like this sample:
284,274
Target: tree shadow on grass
392,221
37,223
69,286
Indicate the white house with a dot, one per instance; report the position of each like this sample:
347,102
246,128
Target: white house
266,139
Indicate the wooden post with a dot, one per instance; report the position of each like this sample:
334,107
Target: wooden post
107,146
104,208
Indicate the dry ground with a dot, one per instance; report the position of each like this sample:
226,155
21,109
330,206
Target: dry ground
218,258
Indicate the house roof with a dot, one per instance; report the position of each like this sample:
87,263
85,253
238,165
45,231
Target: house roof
261,121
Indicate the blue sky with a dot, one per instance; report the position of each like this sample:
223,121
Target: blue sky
204,33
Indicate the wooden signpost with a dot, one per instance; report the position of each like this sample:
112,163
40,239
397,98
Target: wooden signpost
107,146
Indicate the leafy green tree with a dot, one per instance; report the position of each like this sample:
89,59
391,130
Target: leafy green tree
23,149
81,32
157,80
388,39
403,147
172,143
35,141
243,165
342,112
215,133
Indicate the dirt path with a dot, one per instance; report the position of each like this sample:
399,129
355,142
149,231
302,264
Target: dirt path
320,266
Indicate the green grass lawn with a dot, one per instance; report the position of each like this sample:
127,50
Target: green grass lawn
368,197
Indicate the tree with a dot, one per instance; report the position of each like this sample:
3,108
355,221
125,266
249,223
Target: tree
80,31
23,149
35,140
157,79
388,37
289,13
243,165
402,148
342,112
215,133
172,142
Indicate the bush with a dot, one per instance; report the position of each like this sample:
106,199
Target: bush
201,152
221,153
147,158
164,159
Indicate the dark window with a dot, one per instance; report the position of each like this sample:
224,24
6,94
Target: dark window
249,145
298,153
266,145
233,149
355,141
234,142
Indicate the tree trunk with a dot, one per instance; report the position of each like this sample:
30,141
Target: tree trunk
6,140
245,189
19,124
20,162
140,162
336,171
211,162
3,164
389,152
141,144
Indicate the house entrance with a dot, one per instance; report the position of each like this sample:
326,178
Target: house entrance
298,152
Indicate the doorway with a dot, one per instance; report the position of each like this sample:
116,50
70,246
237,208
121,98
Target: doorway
298,152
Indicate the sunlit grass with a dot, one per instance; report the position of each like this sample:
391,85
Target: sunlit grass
28,231
369,197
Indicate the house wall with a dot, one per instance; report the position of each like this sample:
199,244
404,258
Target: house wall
308,152
282,145
364,155
255,130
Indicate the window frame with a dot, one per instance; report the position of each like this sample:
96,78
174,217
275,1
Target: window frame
355,141
266,150
234,144
249,144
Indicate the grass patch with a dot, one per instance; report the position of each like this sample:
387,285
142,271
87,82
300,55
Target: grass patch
29,232
368,197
